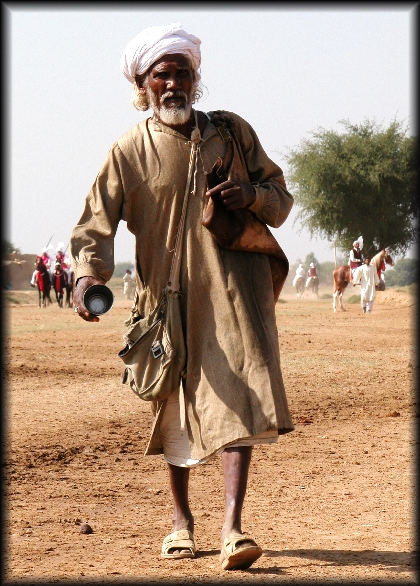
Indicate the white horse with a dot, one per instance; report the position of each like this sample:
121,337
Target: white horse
299,283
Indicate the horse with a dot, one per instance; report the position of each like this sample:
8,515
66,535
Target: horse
312,283
60,282
43,282
299,283
342,276
378,261
69,287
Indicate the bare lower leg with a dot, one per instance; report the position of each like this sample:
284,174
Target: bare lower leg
235,469
182,517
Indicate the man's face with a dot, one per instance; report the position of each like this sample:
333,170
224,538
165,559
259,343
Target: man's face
169,87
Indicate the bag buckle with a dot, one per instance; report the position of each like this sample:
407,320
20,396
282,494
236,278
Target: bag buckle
157,349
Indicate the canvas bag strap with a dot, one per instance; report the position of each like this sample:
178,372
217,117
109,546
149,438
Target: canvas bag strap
173,283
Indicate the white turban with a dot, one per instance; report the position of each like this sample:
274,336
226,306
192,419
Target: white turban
154,42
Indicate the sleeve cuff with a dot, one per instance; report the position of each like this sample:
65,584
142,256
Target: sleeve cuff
257,206
85,270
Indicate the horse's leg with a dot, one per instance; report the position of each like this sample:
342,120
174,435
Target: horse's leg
341,301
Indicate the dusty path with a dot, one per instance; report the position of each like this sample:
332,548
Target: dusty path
332,501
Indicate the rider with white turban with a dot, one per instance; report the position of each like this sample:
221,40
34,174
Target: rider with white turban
312,272
356,257
300,272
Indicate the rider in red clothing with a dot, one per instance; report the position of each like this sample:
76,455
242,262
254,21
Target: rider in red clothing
60,258
312,272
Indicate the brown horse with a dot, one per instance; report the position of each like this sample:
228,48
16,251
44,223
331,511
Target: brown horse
342,276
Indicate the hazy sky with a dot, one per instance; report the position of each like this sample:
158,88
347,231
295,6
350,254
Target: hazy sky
287,69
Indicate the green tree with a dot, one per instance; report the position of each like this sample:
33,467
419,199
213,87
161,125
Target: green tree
310,258
403,273
8,248
121,267
325,272
359,182
325,269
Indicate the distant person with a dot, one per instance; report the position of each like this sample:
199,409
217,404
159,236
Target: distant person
232,394
46,259
59,281
60,257
368,278
300,273
356,257
312,272
35,273
128,285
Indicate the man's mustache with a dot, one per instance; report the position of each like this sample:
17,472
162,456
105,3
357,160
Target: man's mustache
175,94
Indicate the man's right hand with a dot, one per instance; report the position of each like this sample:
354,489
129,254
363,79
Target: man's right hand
79,307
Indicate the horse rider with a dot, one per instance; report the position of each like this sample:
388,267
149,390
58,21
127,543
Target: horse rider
59,257
356,258
60,282
36,271
46,259
312,272
300,272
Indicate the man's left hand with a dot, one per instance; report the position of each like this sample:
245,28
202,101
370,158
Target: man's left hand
235,194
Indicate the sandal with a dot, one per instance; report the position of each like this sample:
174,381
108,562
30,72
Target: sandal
181,539
239,552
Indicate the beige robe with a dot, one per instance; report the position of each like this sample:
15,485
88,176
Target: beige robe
367,276
233,386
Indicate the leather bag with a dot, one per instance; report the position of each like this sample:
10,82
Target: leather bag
240,229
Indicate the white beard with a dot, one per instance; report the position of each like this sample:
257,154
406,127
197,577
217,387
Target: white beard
174,115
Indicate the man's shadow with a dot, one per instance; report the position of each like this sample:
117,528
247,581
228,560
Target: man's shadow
393,560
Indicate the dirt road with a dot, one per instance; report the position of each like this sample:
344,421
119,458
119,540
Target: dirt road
332,501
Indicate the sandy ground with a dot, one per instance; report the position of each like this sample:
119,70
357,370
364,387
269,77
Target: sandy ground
331,502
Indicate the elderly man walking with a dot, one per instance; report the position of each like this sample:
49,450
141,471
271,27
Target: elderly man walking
232,394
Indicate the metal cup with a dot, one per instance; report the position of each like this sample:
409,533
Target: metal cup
98,299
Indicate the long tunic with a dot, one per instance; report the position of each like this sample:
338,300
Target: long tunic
233,385
367,276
